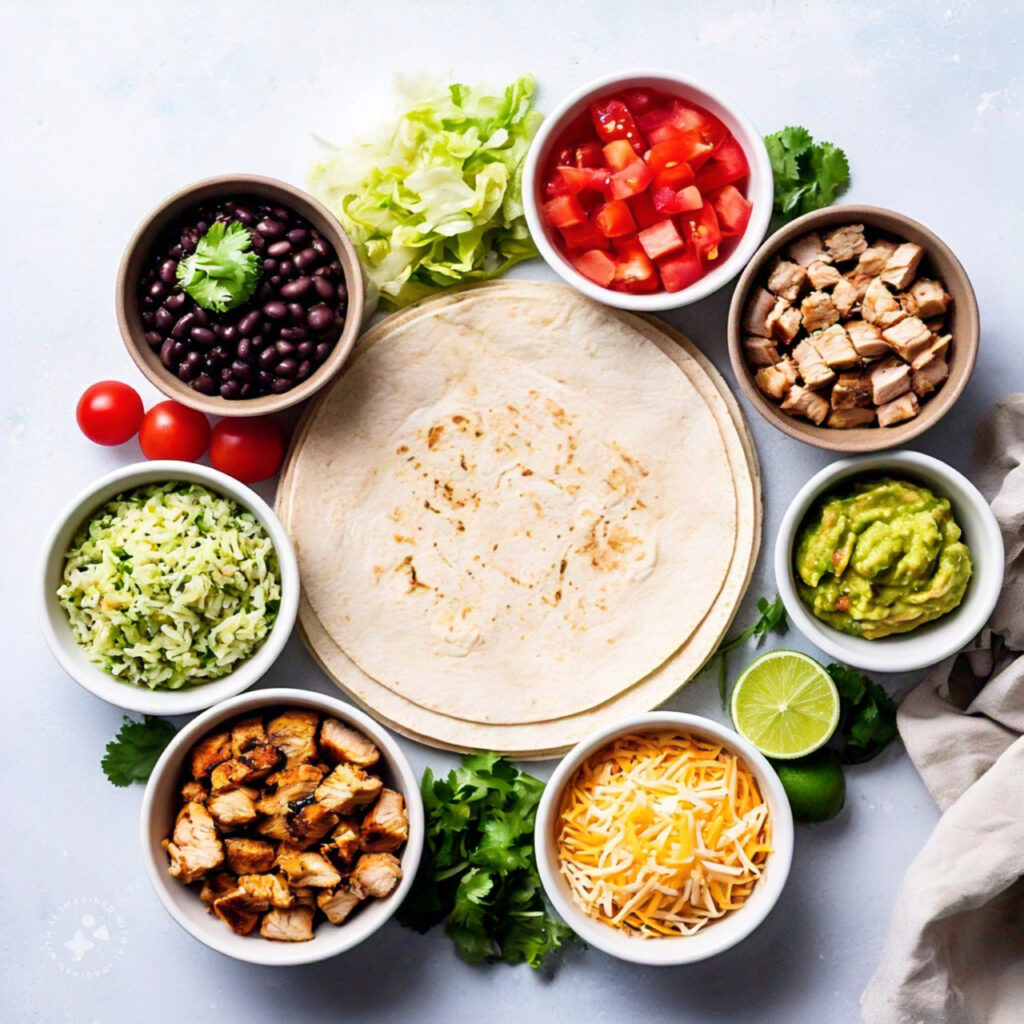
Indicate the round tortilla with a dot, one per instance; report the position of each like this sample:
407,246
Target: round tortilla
513,509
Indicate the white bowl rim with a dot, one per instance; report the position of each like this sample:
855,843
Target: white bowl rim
761,194
140,699
901,652
684,949
266,952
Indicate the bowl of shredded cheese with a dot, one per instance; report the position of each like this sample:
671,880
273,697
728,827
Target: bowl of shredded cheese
664,838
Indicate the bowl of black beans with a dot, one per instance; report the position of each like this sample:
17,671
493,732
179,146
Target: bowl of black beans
239,296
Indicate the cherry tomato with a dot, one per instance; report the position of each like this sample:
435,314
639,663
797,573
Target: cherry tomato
171,430
248,449
109,412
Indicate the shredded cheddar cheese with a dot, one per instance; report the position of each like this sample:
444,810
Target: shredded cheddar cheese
661,833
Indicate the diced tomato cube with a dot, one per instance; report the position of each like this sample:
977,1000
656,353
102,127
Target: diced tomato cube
589,154
663,155
596,265
584,236
614,219
733,210
661,239
691,198
728,164
670,201
631,180
563,212
648,121
679,272
634,271
703,233
638,100
619,154
612,120
643,210
567,181
676,177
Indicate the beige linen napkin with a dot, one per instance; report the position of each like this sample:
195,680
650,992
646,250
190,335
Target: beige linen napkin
955,949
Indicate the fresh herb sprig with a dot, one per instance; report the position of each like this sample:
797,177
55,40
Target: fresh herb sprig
479,872
773,617
808,175
131,755
223,271
867,721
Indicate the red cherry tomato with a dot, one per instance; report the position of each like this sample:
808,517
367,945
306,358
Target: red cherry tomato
171,430
248,449
109,412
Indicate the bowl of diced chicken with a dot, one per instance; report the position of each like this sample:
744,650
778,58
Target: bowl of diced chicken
282,827
853,328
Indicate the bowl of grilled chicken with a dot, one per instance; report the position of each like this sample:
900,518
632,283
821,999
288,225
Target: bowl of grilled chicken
853,328
282,827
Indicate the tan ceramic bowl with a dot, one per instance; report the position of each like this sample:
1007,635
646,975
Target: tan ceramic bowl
963,325
133,332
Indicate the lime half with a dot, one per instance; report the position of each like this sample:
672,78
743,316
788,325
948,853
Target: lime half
785,704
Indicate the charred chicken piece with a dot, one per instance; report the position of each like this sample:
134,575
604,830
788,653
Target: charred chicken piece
195,847
234,908
293,733
338,903
339,743
292,925
348,787
386,827
249,856
377,874
210,752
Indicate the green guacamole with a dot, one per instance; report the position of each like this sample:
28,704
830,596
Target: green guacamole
885,558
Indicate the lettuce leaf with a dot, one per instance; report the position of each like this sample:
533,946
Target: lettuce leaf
437,199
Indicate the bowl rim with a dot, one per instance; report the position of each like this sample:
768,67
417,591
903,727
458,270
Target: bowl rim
150,227
760,191
896,653
859,440
675,950
53,619
266,952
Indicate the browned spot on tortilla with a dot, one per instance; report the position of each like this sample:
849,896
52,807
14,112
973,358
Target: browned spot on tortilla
634,464
619,480
434,435
527,472
401,539
603,551
414,582
402,449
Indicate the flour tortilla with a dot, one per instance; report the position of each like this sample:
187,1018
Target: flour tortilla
512,510
549,739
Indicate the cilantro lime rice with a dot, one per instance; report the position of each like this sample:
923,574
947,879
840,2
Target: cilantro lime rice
170,585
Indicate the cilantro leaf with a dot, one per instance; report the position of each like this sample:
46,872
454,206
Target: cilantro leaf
223,271
131,755
867,723
808,176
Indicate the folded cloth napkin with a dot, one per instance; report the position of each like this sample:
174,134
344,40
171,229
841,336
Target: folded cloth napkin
955,949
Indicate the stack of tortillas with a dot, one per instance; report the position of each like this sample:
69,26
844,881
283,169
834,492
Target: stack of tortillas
519,515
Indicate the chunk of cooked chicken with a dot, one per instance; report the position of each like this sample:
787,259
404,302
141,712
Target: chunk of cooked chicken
234,909
774,381
874,258
294,924
817,311
311,822
275,826
293,733
210,752
787,280
261,759
879,306
803,402
266,891
845,296
249,856
807,249
901,266
386,827
760,304
859,283
846,242
784,322
308,868
938,349
889,380
247,733
909,337
866,339
290,786
340,743
926,298
834,346
230,775
760,351
823,275
195,846
194,791
344,843
927,378
898,410
852,390
346,788
846,419
813,369
233,807
304,896
338,903
216,885
377,874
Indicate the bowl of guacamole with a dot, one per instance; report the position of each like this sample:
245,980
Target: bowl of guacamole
890,562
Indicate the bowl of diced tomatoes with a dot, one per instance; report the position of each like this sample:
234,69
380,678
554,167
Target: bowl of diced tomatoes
647,191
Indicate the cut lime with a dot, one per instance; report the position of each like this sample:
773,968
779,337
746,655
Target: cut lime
814,785
785,704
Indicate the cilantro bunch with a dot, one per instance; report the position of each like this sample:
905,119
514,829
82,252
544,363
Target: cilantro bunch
131,755
808,175
479,873
223,271
867,723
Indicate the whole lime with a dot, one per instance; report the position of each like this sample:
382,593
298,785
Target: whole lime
814,785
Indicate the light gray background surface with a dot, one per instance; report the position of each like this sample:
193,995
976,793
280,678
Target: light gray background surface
104,109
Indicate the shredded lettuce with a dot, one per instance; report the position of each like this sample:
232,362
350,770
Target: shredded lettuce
437,199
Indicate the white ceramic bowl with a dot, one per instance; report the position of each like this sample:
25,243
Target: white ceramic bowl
930,643
57,629
161,802
715,937
760,190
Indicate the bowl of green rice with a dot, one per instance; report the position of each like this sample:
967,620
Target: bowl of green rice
168,587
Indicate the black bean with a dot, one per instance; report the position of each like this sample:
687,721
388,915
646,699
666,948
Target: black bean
257,341
176,253
293,334
342,291
204,384
154,339
217,357
297,311
287,368
179,351
264,377
278,249
202,317
169,271
225,374
306,259
306,349
230,388
284,349
148,321
269,266
287,269
322,248
269,358
244,349
279,385
298,236
242,369
186,371
259,243
175,302
164,318
323,350
250,322
305,367
276,280
195,360
281,213
183,326
275,310
270,228
324,272
158,289
247,389
167,353
297,289
320,317
244,215
226,332
203,335
324,288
